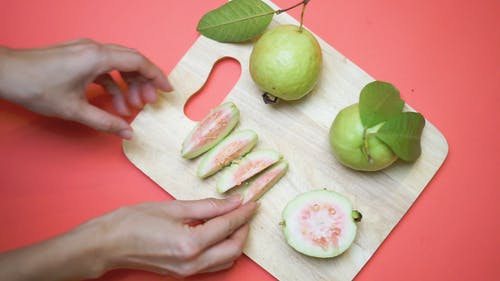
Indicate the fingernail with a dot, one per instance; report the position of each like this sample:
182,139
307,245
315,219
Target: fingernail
168,87
126,134
148,93
150,98
124,111
138,104
235,198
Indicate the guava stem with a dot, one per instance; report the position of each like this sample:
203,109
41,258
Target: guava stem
304,2
277,12
356,215
268,98
302,15
365,149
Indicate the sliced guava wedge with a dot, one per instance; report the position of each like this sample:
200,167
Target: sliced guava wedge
250,165
231,148
320,223
264,181
211,130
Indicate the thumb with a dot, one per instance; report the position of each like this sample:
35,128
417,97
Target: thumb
101,120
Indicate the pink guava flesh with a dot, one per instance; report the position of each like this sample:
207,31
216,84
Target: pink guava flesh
211,130
320,223
230,149
264,181
250,165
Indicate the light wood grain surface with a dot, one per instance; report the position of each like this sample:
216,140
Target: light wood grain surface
299,130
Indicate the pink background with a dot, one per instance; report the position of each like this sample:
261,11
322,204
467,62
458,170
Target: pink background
443,55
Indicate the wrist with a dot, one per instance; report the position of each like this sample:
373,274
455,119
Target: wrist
3,61
5,57
4,51
90,253
17,76
74,255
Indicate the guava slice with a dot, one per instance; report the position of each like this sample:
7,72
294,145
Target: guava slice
320,223
232,147
211,130
250,165
264,181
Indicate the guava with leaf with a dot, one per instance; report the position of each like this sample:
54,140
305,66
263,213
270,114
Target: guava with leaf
286,62
374,133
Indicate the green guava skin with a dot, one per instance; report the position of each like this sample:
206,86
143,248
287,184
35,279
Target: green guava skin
286,62
346,140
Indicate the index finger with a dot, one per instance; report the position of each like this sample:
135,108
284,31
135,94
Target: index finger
219,228
129,60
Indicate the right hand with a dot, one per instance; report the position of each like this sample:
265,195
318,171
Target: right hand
159,237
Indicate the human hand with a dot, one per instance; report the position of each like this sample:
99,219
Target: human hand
159,237
53,80
178,238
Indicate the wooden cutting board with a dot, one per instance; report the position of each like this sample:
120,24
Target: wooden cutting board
299,130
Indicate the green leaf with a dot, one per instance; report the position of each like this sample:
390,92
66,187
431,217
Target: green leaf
378,102
236,21
402,134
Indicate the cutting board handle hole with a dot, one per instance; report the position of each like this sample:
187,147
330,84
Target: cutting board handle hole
221,80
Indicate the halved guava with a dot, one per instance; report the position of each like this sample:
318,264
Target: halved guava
320,223
231,148
264,181
211,130
250,165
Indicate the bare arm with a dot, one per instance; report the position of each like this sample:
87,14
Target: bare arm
74,255
157,237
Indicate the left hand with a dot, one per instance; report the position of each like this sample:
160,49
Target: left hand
53,80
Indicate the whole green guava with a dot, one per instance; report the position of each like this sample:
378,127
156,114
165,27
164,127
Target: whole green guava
286,62
356,148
